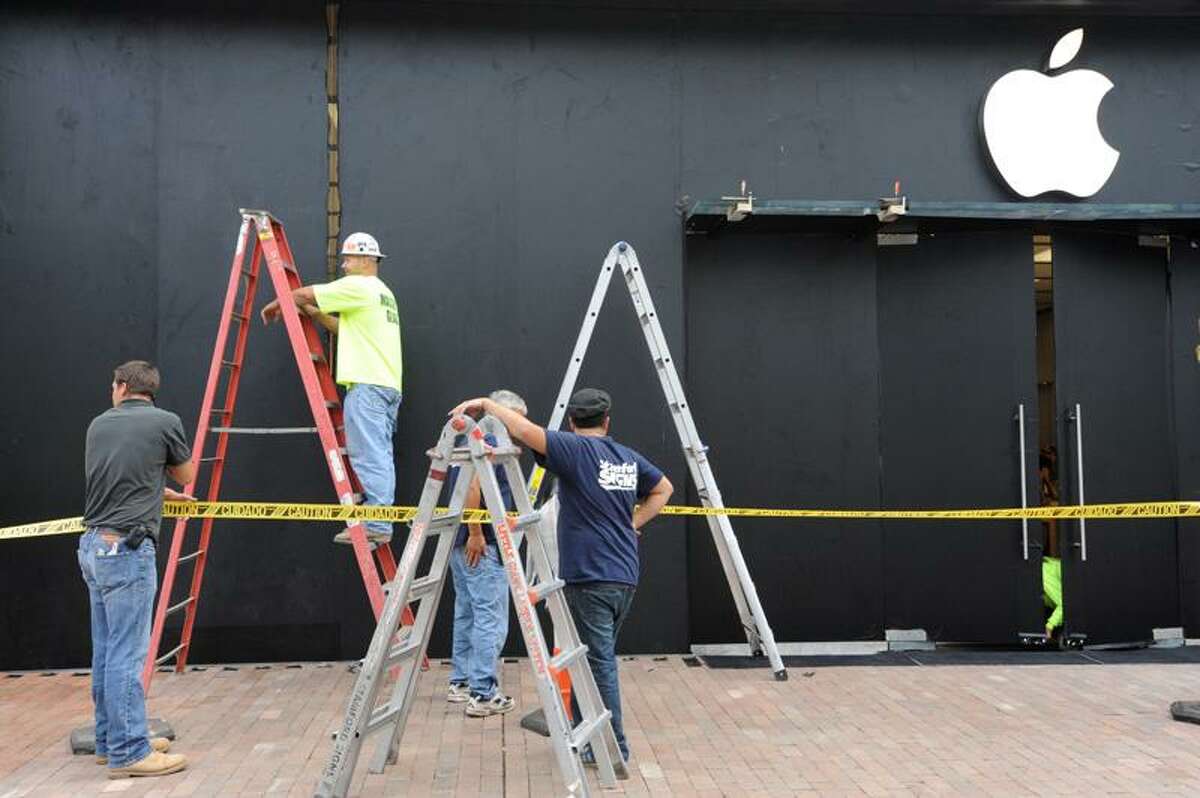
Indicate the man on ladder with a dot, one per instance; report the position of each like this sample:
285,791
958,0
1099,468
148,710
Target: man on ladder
600,481
369,364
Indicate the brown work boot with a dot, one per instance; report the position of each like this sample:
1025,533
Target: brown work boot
156,764
160,744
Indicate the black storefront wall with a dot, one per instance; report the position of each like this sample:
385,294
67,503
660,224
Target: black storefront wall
497,146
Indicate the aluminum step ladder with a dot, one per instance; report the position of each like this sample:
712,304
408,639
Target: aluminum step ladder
745,596
391,652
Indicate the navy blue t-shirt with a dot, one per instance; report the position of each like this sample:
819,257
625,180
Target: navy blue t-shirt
489,535
599,482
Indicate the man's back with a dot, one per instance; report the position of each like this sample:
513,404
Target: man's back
128,449
600,481
369,348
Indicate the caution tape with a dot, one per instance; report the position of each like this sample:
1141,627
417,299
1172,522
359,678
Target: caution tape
292,511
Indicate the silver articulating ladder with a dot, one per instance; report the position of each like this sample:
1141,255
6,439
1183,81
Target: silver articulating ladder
622,256
399,649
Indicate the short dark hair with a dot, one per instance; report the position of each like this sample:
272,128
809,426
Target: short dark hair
138,376
589,422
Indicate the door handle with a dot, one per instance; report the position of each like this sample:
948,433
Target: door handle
1076,416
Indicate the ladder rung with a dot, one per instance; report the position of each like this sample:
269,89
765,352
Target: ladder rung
410,646
230,364
583,733
169,654
212,459
443,523
541,592
264,430
239,316
380,718
504,451
565,658
177,607
526,521
422,587
317,357
219,410
191,556
331,403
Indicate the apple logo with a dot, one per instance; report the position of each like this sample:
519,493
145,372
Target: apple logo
1042,132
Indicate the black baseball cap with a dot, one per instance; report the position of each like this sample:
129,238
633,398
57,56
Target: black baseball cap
589,403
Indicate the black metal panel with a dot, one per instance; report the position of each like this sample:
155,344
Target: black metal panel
499,156
956,327
1185,376
782,376
1111,333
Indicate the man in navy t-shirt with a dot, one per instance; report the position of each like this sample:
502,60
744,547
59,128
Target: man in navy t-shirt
600,484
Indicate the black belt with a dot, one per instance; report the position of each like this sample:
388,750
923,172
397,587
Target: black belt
133,537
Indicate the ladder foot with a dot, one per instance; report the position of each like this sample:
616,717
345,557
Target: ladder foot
781,675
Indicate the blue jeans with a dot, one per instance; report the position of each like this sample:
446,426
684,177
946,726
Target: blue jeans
370,416
121,586
480,620
598,610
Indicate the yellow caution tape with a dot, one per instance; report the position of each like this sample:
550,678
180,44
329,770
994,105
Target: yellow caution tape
292,511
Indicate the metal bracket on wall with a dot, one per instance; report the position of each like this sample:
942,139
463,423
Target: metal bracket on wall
740,206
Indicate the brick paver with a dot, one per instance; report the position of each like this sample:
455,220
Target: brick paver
964,730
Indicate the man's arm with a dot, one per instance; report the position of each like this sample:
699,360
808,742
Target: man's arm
475,540
653,503
183,473
324,319
304,295
519,427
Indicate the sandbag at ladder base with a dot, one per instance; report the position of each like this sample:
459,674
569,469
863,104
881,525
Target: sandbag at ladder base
365,714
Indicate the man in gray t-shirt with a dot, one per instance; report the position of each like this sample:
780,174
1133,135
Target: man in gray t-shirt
131,450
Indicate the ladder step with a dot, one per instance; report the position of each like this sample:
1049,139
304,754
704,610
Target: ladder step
331,403
213,459
221,410
541,592
174,608
424,586
443,523
526,521
582,734
317,357
191,556
565,658
239,317
265,430
403,651
381,717
230,364
169,654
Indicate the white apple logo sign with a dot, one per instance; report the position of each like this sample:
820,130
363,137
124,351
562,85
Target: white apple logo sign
1042,132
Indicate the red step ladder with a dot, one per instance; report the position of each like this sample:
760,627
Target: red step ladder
261,234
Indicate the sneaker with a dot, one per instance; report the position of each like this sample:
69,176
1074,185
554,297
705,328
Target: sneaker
160,744
155,764
458,693
480,707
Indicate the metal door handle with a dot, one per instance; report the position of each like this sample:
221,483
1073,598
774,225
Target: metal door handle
1020,418
1077,418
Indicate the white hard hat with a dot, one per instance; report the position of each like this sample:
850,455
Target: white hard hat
361,244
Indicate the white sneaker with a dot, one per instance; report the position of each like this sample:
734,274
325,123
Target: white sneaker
498,704
458,693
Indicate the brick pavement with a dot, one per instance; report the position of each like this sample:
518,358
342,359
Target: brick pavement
961,730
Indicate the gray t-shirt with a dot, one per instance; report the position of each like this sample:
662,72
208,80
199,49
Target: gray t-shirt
128,451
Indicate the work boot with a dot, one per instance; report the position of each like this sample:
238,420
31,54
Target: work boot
160,744
344,537
155,764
